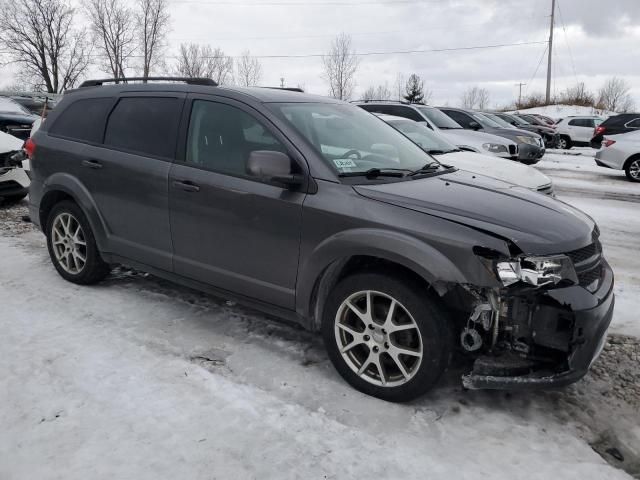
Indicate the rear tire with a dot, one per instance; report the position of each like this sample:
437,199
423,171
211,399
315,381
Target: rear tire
632,169
72,246
565,143
396,357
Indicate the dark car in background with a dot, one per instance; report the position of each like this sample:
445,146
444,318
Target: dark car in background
531,124
319,212
623,123
36,105
530,145
15,119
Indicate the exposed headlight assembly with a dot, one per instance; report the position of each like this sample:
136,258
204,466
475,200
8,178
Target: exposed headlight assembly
495,147
528,140
537,271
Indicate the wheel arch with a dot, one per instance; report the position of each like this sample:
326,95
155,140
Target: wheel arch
628,161
369,249
61,187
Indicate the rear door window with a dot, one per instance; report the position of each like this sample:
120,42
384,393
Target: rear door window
634,123
144,125
460,118
83,120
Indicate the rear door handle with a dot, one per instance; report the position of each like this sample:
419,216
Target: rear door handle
186,185
91,164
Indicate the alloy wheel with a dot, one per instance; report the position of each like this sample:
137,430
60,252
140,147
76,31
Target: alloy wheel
634,169
378,338
69,244
562,143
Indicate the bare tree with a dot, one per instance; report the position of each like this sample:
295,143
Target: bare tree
476,97
152,24
577,95
340,66
615,97
381,92
202,61
39,37
248,70
113,25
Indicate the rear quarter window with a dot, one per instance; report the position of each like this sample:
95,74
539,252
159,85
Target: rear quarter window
144,125
83,120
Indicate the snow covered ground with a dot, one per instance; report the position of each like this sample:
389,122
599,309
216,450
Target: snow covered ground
136,378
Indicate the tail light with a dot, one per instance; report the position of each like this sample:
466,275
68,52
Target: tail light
608,143
598,131
29,148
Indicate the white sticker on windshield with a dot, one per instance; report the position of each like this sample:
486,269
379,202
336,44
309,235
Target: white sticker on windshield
344,163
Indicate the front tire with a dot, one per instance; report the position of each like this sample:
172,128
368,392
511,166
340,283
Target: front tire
564,143
72,246
385,336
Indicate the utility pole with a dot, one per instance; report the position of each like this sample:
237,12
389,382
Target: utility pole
553,13
520,85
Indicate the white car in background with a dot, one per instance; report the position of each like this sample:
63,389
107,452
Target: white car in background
621,152
437,121
445,152
14,181
576,131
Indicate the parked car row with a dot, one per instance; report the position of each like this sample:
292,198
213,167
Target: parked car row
316,211
468,129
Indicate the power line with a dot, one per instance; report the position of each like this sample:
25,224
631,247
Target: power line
405,52
566,39
335,3
538,67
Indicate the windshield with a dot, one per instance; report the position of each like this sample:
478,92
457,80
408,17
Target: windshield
9,106
439,119
498,120
352,140
518,120
429,140
485,121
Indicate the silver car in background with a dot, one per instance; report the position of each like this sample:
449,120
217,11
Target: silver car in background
437,121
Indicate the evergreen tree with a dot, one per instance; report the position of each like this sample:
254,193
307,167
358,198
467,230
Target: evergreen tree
414,89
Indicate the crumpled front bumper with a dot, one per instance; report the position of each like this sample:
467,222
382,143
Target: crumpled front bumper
591,313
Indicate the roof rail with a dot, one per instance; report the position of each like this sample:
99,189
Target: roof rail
401,102
188,81
290,89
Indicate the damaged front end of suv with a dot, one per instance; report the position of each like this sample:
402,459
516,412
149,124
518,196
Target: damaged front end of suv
543,325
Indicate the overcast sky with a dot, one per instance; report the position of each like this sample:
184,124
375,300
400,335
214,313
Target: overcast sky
594,40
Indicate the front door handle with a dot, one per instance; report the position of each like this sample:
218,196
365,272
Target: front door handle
186,185
91,164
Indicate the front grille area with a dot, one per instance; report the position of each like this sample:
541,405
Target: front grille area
587,277
588,264
585,253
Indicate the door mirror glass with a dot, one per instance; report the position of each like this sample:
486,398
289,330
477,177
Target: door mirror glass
272,166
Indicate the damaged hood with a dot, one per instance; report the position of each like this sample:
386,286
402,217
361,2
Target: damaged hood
536,223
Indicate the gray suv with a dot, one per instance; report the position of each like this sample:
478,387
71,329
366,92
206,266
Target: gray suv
316,211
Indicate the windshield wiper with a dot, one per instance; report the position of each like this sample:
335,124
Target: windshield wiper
437,152
428,168
377,172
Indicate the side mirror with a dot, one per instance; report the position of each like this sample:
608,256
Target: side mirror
272,166
474,125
